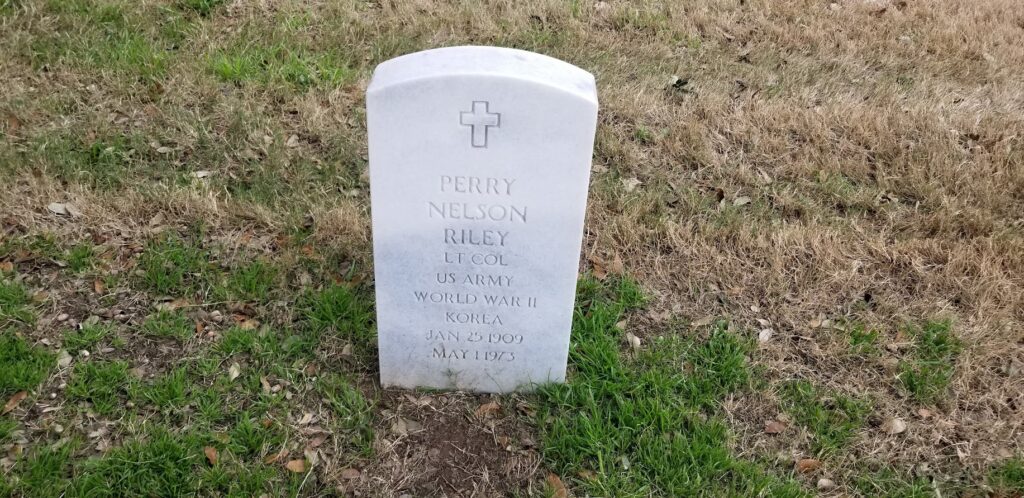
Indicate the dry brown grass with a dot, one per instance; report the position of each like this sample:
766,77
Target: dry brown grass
881,144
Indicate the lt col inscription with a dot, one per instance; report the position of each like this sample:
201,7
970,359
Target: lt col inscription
479,167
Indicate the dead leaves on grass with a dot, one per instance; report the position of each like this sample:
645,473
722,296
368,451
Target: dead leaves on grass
557,487
774,427
404,427
211,454
807,465
13,402
893,426
245,322
602,268
65,209
296,466
272,459
488,410
633,340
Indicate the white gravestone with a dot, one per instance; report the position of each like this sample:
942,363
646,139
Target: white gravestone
479,166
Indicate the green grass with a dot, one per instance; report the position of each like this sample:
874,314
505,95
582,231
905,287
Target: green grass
161,465
831,419
101,383
172,266
7,428
15,305
279,63
250,438
44,473
648,425
202,7
80,258
122,39
158,463
22,366
169,325
863,340
169,391
344,311
1007,478
352,412
86,338
253,282
266,347
926,375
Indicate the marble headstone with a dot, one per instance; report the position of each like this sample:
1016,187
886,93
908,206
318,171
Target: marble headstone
479,166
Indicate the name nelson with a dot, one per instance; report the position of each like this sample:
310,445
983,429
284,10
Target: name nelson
472,185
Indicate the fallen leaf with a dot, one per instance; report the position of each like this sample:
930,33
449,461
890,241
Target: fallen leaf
293,142
297,466
617,267
350,473
245,323
894,426
765,335
634,341
317,441
98,433
73,210
99,286
164,150
824,484
708,320
404,427
488,409
741,201
924,413
306,419
13,124
58,208
211,454
173,305
630,184
201,174
558,489
774,427
276,456
63,359
200,327
6,267
600,268
13,402
234,371
805,465
312,456
265,384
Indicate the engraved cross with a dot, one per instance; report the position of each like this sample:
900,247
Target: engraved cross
480,120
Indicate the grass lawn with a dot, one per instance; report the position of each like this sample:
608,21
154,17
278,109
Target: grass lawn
810,214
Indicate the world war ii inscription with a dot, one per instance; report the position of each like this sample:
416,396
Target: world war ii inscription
479,168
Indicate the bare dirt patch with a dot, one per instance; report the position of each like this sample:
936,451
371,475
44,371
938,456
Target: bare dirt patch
452,445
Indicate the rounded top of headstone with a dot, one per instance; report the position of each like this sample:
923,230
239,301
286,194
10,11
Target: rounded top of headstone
484,61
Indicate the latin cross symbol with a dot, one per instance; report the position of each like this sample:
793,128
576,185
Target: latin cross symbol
480,120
